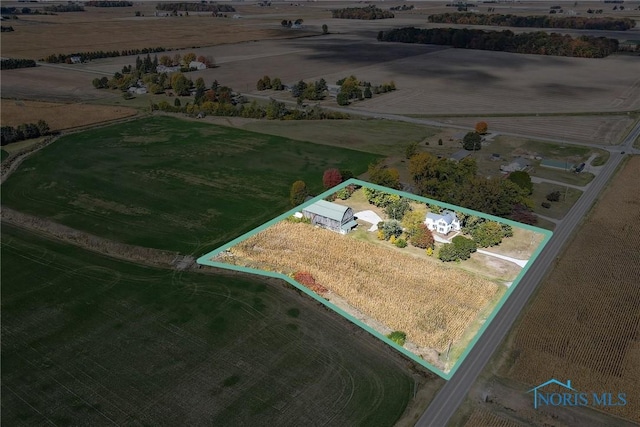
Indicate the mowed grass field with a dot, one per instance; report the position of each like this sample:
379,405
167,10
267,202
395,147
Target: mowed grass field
89,340
585,320
171,184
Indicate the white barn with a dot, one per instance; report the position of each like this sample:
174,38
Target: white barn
444,224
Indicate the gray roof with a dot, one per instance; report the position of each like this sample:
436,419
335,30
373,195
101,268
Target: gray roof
459,155
349,225
447,216
327,210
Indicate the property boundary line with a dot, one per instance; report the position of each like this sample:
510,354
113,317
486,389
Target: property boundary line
206,259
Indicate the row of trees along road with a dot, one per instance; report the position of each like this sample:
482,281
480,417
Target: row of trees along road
537,21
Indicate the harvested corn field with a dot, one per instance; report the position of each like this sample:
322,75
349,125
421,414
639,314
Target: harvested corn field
585,322
433,303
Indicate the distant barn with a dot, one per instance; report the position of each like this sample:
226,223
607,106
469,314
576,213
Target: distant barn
331,216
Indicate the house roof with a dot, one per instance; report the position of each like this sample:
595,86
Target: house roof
459,155
349,225
561,164
447,216
327,210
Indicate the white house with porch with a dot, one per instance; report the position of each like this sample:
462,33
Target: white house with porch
443,224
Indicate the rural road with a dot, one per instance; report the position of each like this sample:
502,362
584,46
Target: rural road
452,394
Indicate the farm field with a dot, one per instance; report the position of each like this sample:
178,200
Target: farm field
598,130
434,304
584,322
170,184
59,116
440,306
373,136
90,340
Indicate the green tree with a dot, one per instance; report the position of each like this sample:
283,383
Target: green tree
276,83
188,58
298,193
325,29
180,84
411,150
523,180
412,221
260,85
382,175
487,234
343,99
472,141
381,199
397,208
390,228
177,103
367,92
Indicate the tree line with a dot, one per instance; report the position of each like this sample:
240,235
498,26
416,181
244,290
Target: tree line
108,3
538,21
369,12
9,134
70,7
87,56
195,7
12,63
539,42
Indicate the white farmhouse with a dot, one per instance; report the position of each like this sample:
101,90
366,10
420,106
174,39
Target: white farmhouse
444,223
197,65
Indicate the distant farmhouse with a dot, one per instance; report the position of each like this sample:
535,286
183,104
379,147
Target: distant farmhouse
518,164
197,65
444,224
331,216
165,69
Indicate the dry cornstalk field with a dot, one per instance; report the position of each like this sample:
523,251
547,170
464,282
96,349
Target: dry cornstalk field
432,303
483,417
585,322
59,116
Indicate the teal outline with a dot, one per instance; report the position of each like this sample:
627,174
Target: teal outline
206,260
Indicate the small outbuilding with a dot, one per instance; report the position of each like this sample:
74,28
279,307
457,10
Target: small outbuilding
459,155
518,164
331,216
557,164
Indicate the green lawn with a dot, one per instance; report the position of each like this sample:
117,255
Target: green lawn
3,155
568,197
89,340
168,183
383,137
580,179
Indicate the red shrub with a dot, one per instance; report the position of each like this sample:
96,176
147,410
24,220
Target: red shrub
305,278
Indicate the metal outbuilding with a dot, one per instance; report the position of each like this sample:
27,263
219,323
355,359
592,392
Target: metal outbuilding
331,216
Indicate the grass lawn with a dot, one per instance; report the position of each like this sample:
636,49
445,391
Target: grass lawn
3,155
601,159
168,183
580,179
558,209
89,340
383,137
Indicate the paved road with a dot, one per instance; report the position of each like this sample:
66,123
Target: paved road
455,390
